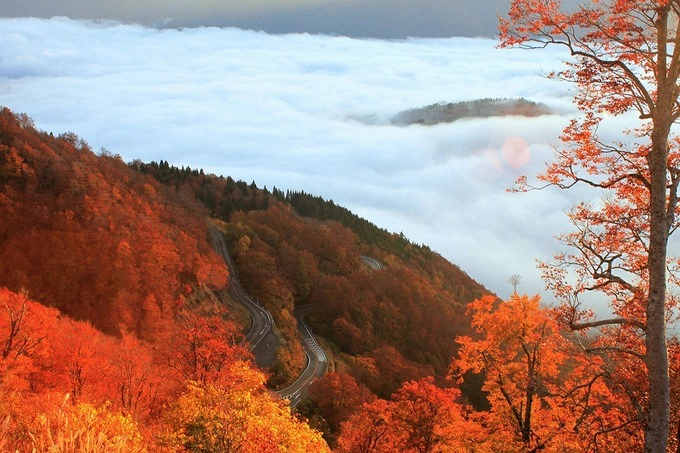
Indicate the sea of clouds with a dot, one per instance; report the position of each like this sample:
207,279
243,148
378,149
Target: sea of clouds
309,112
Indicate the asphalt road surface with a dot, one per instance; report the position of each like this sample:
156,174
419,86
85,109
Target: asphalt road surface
261,337
371,262
316,358
262,321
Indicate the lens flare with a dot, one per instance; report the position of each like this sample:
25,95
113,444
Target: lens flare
516,152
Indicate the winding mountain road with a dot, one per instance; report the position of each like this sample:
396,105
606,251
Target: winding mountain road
372,263
262,321
261,337
316,358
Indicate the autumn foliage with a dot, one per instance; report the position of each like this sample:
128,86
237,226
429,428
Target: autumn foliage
623,58
548,390
545,392
112,339
388,324
237,416
419,417
114,336
89,236
69,388
295,249
109,325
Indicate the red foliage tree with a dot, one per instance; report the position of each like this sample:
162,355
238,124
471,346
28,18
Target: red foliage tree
626,58
544,393
205,347
136,381
26,329
338,396
420,418
368,430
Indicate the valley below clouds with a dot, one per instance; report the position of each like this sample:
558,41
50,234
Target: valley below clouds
311,112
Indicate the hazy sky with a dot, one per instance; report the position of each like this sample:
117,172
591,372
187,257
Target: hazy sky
306,112
357,18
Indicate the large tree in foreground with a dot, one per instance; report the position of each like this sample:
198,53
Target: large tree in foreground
625,57
543,395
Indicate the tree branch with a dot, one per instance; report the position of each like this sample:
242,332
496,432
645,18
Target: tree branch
616,349
606,322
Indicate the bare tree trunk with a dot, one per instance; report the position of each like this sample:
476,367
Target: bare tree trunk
656,357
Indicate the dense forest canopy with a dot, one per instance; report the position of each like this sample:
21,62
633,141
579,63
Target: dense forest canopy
294,248
88,235
115,335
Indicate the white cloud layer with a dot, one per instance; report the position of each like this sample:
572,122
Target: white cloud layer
282,110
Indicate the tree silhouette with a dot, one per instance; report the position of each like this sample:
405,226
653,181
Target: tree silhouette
514,281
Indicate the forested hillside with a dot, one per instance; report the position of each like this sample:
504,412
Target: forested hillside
114,336
386,326
408,342
95,239
113,305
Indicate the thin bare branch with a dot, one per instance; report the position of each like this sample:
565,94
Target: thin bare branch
606,322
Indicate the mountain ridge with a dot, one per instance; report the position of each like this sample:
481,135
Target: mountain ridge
123,252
